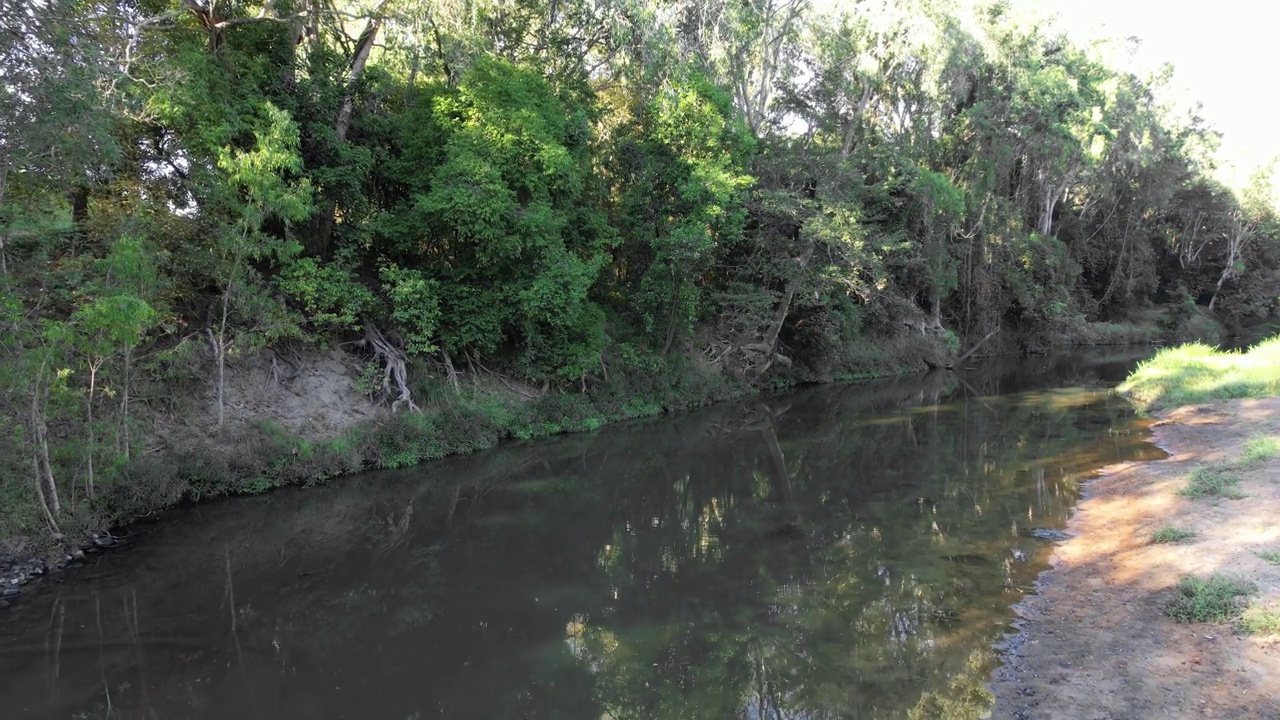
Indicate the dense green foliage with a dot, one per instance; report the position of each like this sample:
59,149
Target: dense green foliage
565,195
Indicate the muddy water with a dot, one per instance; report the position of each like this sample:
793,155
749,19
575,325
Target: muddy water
840,552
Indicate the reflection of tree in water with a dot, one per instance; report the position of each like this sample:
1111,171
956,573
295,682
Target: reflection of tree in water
830,555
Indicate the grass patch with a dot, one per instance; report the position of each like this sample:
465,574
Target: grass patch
1258,619
1260,449
1171,534
1270,556
1196,373
1211,599
1212,481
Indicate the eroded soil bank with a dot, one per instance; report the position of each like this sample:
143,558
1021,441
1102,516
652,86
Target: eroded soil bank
1094,644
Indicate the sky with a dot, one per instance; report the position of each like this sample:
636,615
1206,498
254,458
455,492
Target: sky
1225,53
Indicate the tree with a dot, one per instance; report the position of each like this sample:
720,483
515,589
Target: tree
256,189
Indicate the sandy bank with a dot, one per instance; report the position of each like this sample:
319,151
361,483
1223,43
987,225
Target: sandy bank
1093,643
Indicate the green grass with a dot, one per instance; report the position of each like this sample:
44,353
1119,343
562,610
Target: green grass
1270,556
1196,373
1171,534
1212,481
1212,599
1260,449
1258,619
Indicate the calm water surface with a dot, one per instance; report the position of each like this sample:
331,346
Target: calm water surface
840,552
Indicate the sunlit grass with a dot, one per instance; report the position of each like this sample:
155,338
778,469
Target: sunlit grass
1258,619
1171,534
1197,373
1270,556
1211,599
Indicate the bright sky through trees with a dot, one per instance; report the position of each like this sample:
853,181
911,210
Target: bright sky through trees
1224,54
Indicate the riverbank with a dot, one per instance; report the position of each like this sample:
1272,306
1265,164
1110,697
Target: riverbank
316,423
1095,641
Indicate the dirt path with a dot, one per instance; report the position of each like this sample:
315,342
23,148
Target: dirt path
1094,644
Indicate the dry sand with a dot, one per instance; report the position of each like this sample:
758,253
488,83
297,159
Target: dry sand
1093,644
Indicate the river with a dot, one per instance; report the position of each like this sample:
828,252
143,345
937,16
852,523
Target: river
838,552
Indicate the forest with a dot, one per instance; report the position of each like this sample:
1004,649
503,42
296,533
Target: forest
519,217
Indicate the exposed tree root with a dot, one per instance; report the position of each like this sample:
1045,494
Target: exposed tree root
448,365
395,376
283,369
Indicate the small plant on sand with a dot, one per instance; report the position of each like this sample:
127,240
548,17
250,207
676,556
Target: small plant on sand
1171,534
1211,481
1211,599
1260,619
1260,449
1270,556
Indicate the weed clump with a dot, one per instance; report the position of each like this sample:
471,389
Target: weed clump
1270,556
1211,599
1260,619
1171,534
1212,481
1260,449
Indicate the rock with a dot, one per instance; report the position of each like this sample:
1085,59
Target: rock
10,592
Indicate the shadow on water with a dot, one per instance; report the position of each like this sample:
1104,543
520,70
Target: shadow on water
837,552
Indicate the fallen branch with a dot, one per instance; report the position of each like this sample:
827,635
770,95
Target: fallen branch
973,349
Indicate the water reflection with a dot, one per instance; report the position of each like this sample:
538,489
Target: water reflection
833,553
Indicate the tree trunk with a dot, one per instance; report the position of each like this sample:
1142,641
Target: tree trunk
1236,238
4,263
122,429
784,307
93,436
322,228
364,46
46,487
